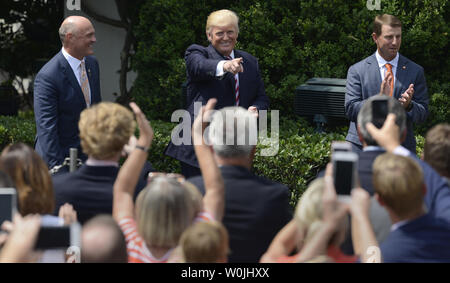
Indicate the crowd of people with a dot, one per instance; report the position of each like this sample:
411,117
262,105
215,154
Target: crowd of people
219,211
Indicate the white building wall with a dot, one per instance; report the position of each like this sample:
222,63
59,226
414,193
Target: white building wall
107,49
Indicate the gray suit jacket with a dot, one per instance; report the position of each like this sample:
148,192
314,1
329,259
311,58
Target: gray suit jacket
364,80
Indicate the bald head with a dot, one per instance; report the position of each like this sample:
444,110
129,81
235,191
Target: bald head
103,241
77,36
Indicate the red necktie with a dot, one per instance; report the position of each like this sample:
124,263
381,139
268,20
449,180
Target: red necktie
236,89
389,70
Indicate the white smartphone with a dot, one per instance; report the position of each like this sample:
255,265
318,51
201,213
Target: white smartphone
56,237
8,204
338,146
345,172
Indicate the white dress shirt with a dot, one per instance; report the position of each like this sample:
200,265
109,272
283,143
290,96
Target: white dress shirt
75,64
382,65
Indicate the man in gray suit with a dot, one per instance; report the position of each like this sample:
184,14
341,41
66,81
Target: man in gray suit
387,72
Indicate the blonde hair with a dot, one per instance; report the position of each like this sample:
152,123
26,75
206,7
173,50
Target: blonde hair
205,242
222,18
308,212
105,128
398,180
163,211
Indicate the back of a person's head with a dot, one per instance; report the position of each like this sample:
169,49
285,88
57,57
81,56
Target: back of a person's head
399,183
436,151
104,129
31,179
365,116
164,209
233,132
308,213
205,242
102,240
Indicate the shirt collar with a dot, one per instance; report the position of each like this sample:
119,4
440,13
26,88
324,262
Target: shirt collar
382,62
399,224
231,55
98,163
73,62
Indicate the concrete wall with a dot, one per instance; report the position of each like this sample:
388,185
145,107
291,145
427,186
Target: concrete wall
107,49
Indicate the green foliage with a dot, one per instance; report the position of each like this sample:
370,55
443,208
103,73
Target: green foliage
14,130
294,41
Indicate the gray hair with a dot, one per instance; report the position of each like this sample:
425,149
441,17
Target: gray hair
365,116
233,132
67,27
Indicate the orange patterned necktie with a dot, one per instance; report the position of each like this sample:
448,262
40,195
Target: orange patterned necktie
84,84
389,70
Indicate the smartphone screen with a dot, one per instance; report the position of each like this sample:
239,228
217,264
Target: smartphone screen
379,112
53,238
343,176
7,204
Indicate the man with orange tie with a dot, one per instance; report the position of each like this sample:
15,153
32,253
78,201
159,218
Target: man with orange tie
219,71
64,87
387,72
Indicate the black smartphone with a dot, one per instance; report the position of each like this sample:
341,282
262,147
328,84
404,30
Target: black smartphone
8,204
345,166
58,237
379,112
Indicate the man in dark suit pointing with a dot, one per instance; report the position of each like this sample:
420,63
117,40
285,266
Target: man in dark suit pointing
63,88
219,71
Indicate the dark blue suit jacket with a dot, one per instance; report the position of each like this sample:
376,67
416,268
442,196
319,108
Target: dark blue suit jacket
202,84
256,209
424,239
58,102
364,80
90,189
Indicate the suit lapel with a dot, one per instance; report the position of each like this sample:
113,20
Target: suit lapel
374,74
401,75
68,73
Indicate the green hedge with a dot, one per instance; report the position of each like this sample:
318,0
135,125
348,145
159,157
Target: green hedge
302,152
294,40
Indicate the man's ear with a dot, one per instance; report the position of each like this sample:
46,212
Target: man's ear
208,35
374,37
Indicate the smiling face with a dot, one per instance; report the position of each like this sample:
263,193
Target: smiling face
388,42
223,39
80,37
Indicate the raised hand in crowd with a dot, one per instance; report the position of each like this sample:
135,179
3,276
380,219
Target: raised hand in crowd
20,244
388,136
214,199
67,213
124,186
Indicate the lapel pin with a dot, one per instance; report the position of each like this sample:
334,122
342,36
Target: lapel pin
404,67
89,72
